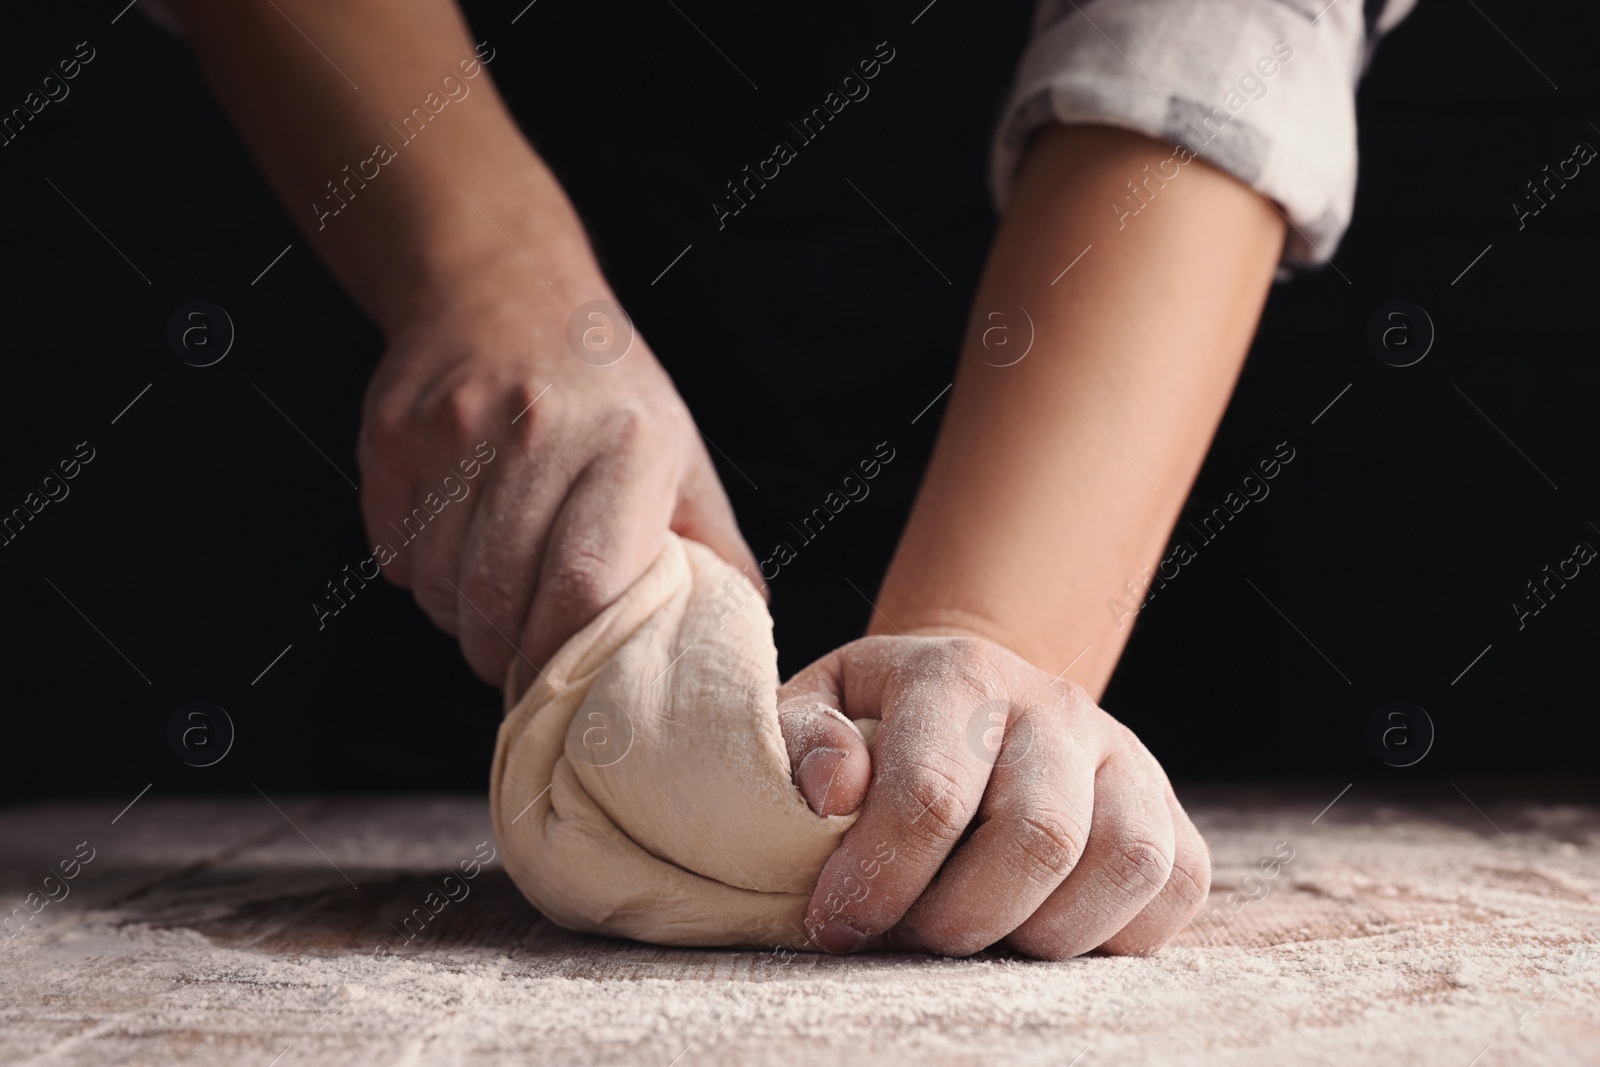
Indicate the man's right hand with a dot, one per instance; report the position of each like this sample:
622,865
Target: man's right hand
592,465
462,246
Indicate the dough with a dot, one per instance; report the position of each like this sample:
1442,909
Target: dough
642,788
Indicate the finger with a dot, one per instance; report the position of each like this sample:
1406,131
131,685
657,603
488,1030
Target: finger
832,768
387,481
440,517
1179,900
833,765
436,550
1126,862
610,528
500,562
1032,827
925,788
705,515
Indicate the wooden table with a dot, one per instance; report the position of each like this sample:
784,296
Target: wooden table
1423,928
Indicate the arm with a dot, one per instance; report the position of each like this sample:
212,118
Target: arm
1054,479
1058,479
456,238
310,111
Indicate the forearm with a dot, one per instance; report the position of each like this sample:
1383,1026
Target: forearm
373,192
1057,479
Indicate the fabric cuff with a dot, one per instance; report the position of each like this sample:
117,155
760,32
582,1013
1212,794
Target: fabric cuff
1262,89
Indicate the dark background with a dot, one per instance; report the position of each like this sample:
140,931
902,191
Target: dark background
802,334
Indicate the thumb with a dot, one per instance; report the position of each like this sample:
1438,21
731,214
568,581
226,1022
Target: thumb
832,767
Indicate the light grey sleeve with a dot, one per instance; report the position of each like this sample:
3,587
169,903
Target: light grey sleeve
1263,89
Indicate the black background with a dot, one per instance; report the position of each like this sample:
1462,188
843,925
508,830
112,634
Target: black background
802,334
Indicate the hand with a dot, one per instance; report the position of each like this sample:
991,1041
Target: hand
582,488
999,805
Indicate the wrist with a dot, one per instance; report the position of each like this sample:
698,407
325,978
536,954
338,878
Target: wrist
537,284
496,240
938,622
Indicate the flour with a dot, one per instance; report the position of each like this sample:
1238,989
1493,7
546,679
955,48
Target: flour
1401,933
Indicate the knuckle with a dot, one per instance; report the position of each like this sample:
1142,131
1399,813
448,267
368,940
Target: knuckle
627,427
962,665
581,584
1138,867
1048,846
535,410
459,413
388,425
1190,883
1073,705
933,803
971,659
1075,693
524,400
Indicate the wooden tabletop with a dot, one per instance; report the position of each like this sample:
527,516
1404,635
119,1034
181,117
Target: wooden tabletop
1368,927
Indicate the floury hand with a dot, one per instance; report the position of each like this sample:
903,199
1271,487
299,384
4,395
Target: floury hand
594,462
461,245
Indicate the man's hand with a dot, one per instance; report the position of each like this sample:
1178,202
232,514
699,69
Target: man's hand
592,466
1002,806
469,256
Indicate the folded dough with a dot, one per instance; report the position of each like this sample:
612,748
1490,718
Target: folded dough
642,788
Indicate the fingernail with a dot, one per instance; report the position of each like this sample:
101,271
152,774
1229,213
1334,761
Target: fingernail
815,775
837,937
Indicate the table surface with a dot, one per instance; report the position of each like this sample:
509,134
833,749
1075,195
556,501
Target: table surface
1425,928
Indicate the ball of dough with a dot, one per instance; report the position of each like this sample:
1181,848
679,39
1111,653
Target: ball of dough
642,788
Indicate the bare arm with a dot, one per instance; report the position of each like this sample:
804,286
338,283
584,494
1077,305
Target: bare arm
315,88
1054,480
1058,479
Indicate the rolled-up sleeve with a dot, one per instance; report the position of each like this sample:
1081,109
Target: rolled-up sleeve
1262,89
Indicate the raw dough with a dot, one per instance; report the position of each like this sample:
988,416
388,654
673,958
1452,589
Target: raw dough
642,787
